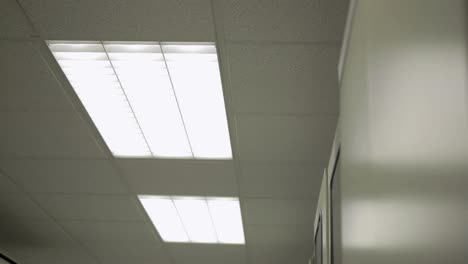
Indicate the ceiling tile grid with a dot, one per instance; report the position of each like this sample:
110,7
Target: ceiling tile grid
71,202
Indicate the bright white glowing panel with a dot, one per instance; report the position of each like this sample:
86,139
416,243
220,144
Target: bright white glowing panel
150,99
196,219
165,216
225,214
195,74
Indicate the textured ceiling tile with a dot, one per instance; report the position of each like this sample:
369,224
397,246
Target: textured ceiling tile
285,138
277,236
273,20
27,83
135,259
266,255
19,206
90,207
284,78
70,176
278,212
26,233
132,251
111,249
290,79
44,255
207,254
98,233
180,177
270,180
280,243
13,22
164,20
53,134
116,242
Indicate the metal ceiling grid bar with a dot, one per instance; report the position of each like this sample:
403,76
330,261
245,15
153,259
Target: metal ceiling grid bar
228,101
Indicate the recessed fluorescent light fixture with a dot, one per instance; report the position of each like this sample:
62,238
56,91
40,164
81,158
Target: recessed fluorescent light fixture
150,99
196,219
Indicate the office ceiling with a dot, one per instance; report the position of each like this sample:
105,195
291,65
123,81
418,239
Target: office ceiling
65,199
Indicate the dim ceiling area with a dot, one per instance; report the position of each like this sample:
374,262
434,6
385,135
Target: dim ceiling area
65,199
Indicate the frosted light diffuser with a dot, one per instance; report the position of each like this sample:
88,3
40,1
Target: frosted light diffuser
196,219
150,99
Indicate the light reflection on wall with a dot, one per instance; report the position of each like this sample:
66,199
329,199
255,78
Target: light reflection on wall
404,223
419,103
404,127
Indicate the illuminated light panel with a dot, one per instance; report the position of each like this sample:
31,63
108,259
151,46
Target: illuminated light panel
196,219
150,99
195,73
225,214
165,217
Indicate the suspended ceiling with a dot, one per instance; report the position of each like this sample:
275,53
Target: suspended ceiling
65,199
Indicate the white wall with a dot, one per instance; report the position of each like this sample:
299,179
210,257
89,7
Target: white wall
404,133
